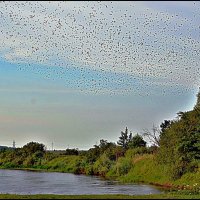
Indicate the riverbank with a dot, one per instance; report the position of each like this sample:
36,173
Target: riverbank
172,195
143,170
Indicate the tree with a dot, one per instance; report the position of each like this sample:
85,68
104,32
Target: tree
104,144
136,141
33,147
71,152
154,136
180,143
93,154
124,138
197,106
119,152
165,125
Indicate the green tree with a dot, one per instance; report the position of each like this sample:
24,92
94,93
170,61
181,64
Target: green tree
180,144
102,165
197,106
71,152
33,147
124,138
136,141
105,145
165,125
93,154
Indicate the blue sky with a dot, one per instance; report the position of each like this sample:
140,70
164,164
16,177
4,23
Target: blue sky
77,73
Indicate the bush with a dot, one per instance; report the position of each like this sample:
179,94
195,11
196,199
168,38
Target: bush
130,153
179,145
29,162
33,147
9,165
102,165
89,170
71,152
123,166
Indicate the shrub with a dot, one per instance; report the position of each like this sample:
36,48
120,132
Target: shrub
123,166
102,165
9,165
130,153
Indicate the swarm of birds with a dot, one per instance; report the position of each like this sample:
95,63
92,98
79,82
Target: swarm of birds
103,47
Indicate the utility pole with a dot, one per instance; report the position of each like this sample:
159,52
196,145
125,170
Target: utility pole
52,146
14,144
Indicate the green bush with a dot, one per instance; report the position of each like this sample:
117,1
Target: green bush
88,170
9,165
102,165
29,161
130,153
123,166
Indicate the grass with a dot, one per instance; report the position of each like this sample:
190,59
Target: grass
172,195
63,164
146,170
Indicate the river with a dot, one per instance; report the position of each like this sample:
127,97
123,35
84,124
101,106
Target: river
29,182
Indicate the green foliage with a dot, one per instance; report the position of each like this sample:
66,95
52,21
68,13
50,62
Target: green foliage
124,139
69,163
32,147
71,152
88,170
48,156
189,179
119,152
136,141
102,165
93,154
9,165
180,144
29,161
123,164
165,125
106,146
131,153
146,169
152,149
197,106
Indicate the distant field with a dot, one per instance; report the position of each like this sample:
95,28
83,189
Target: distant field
47,196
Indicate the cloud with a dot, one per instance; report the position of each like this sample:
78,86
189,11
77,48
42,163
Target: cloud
119,37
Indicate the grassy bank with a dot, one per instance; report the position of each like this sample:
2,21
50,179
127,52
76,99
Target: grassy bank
132,168
139,168
146,170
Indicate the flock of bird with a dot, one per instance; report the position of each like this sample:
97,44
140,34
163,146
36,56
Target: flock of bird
103,47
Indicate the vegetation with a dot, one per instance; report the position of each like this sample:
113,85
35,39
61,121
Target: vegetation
173,160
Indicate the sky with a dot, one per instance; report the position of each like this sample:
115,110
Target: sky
73,73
